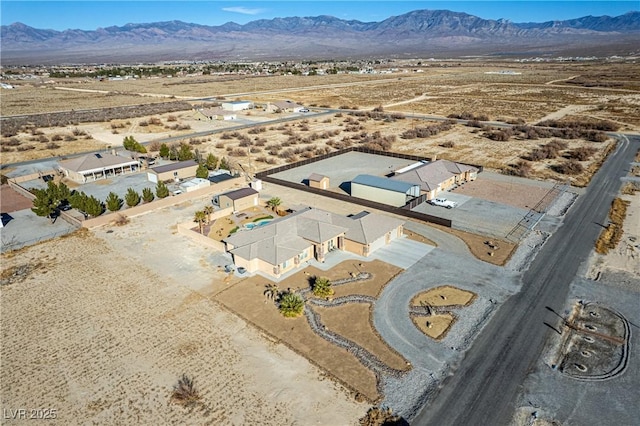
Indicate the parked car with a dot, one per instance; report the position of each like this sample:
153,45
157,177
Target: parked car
304,110
443,202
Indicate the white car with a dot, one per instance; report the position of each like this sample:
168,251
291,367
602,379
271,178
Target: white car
443,202
304,110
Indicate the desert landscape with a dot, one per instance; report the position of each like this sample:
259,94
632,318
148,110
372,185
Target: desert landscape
103,323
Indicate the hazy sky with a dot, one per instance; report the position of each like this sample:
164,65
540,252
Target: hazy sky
89,15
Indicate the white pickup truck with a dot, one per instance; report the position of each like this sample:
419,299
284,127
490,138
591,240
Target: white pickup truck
443,202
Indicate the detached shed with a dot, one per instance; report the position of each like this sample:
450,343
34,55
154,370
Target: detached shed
236,105
384,190
318,181
239,199
174,171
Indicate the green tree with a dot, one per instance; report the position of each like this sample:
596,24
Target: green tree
64,193
291,305
274,203
212,161
224,164
93,206
164,151
161,190
132,198
185,152
322,287
78,200
147,195
129,143
202,172
43,204
200,218
113,202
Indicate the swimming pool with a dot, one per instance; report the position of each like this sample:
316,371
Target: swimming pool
258,223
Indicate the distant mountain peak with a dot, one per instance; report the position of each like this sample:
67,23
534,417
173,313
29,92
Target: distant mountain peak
419,32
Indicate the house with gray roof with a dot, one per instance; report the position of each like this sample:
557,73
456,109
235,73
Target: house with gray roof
90,167
384,190
437,176
289,242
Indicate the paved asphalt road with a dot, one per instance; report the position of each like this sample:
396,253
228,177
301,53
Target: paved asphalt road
484,389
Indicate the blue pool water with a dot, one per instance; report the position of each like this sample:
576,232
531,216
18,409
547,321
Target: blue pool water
256,224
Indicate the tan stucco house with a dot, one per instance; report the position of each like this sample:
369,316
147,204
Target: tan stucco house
90,167
436,176
287,243
239,199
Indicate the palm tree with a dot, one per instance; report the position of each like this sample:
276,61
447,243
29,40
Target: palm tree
322,287
291,304
208,210
200,217
274,203
271,293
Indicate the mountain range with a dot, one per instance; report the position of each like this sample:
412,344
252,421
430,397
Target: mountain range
421,33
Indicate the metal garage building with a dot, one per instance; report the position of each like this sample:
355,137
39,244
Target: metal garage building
383,190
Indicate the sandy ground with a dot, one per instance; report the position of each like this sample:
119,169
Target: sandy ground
101,338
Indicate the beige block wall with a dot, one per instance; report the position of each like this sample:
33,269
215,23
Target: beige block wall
163,203
247,202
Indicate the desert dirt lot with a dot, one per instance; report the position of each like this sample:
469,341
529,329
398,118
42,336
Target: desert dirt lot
539,91
102,339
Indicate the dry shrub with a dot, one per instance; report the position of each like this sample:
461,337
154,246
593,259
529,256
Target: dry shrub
630,188
448,144
172,118
121,220
611,236
185,393
521,168
571,167
237,152
582,153
381,417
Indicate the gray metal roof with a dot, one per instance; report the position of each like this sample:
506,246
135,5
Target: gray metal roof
383,183
174,166
240,193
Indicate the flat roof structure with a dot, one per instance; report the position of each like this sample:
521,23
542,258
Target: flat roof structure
240,193
174,166
383,183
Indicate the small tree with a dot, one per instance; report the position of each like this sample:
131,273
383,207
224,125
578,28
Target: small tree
274,203
93,206
129,143
161,190
43,204
322,287
113,202
212,161
132,198
200,218
202,172
291,304
224,164
185,152
78,200
147,195
63,193
164,151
